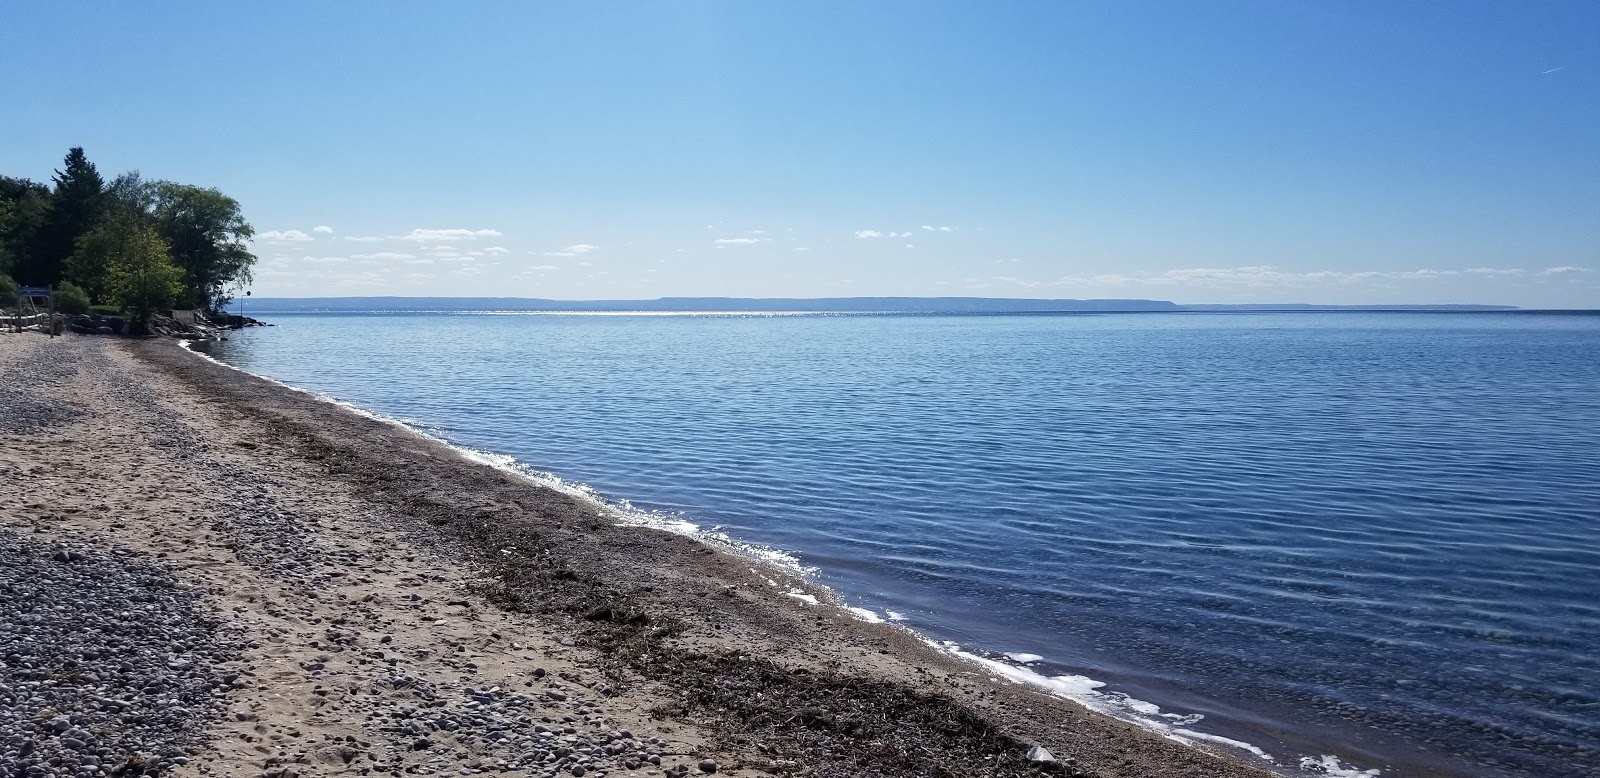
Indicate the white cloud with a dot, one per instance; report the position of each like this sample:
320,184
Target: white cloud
911,245
1563,270
737,241
323,228
799,248
383,255
425,236
1492,271
868,234
572,251
544,267
284,235
363,238
497,250
323,259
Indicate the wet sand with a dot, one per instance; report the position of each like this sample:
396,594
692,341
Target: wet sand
395,608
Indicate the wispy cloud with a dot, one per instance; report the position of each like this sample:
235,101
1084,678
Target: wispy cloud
496,250
323,228
931,228
382,256
868,234
1563,270
428,236
572,251
283,236
737,241
363,238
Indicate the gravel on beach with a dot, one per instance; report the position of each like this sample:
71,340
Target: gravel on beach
107,664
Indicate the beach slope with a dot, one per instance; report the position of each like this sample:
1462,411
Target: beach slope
213,574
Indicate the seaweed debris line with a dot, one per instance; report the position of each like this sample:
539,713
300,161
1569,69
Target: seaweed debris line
206,573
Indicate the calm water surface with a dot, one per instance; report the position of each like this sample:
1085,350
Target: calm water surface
1370,535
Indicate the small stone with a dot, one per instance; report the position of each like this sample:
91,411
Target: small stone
708,766
555,694
1040,754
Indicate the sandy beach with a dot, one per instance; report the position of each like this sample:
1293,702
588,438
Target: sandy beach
212,574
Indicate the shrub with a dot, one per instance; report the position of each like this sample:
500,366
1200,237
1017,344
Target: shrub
8,291
70,299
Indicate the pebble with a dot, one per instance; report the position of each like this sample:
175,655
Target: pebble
120,656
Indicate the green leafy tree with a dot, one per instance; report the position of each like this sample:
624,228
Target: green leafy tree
69,298
209,239
8,291
128,206
23,206
141,278
76,204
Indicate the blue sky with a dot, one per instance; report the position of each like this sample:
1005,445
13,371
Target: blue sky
1333,152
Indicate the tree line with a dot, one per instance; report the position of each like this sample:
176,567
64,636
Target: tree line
138,246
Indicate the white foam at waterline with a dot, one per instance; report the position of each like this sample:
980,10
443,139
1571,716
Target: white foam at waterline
620,511
801,596
1330,765
1023,658
865,614
1225,741
1086,692
894,615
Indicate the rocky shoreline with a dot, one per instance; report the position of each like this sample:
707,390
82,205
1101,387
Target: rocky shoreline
196,326
298,590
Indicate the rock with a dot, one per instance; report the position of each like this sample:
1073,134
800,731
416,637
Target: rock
555,694
1040,754
707,766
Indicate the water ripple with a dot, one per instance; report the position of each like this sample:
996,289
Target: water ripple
1372,535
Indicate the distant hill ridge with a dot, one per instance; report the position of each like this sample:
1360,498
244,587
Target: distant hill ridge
793,304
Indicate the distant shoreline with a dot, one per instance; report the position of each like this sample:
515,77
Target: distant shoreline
929,305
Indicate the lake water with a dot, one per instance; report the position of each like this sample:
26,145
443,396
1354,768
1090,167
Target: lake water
1373,536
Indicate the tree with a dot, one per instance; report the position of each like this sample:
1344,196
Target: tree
76,203
23,206
142,278
101,249
208,236
128,206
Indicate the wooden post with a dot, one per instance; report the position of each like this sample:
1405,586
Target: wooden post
51,322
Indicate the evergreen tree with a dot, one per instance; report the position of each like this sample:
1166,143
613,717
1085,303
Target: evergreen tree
76,203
